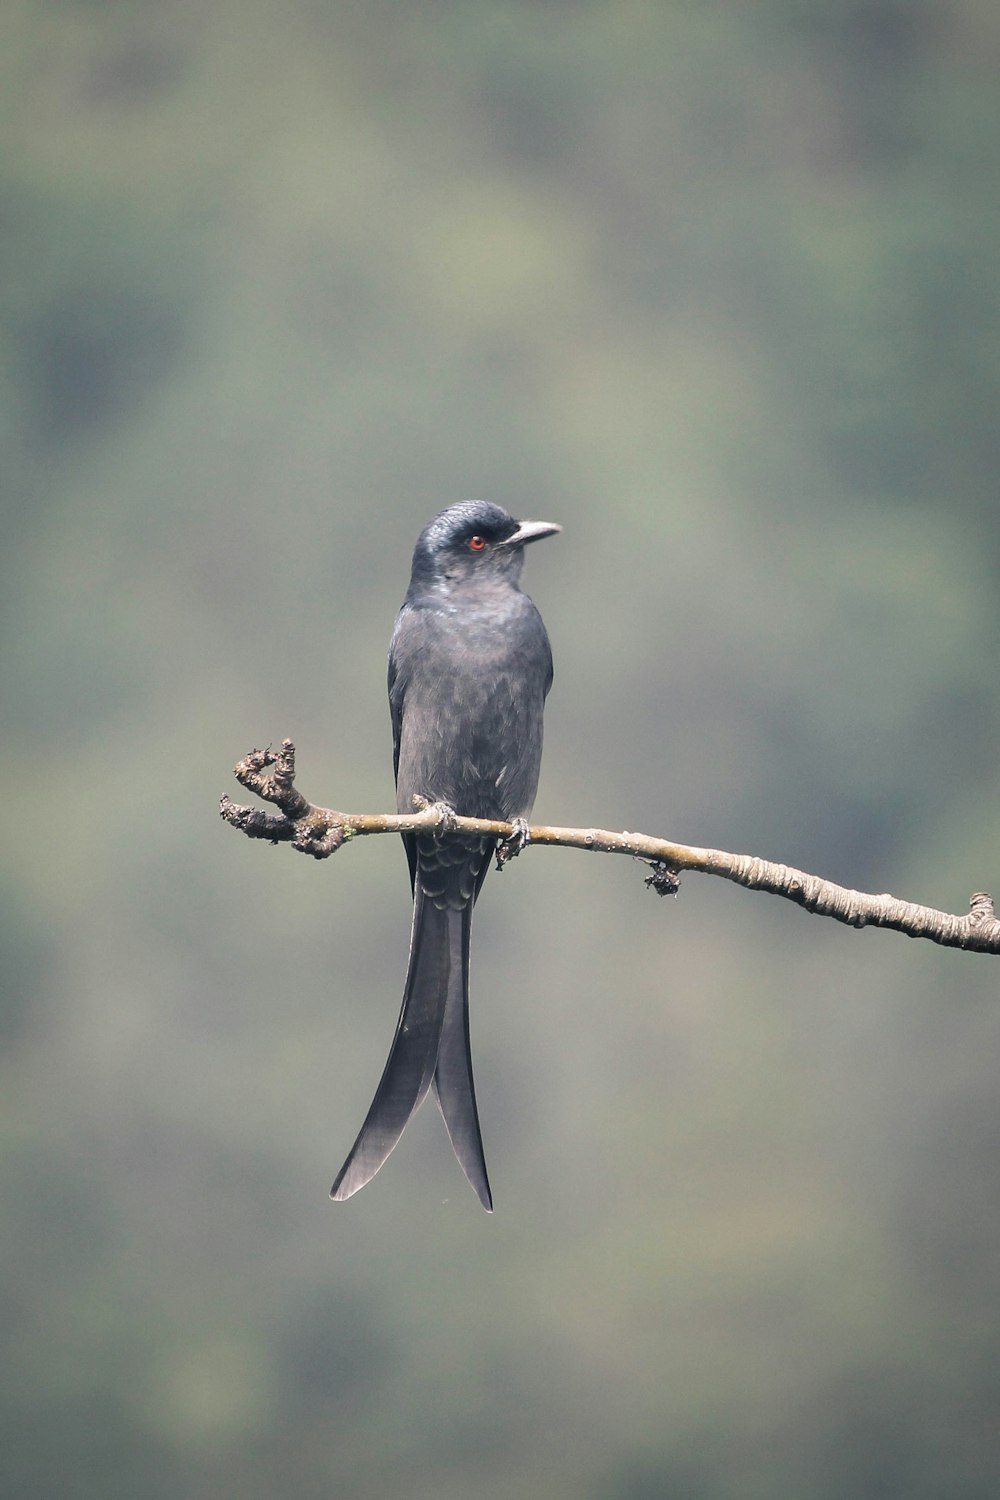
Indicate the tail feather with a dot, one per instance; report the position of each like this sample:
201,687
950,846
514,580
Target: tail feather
454,1086
435,951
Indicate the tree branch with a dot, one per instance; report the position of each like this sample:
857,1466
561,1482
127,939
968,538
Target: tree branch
320,831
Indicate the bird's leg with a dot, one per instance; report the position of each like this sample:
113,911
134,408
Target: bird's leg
509,849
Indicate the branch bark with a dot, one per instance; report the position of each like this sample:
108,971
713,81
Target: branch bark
320,831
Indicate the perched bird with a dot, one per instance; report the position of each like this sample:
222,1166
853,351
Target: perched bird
469,669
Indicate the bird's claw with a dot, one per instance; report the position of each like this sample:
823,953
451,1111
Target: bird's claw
509,849
446,815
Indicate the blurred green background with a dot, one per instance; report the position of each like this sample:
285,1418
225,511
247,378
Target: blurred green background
715,286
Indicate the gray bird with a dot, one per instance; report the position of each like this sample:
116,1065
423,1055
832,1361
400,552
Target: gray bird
469,669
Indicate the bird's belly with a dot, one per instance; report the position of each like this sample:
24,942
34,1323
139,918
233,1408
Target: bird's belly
473,742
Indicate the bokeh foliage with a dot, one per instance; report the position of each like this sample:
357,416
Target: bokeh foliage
714,285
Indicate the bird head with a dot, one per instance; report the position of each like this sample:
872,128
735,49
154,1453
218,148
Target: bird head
474,539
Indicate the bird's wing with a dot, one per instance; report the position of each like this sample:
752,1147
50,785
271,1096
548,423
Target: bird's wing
397,679
397,692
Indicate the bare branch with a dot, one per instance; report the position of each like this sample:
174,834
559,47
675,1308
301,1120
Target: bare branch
320,831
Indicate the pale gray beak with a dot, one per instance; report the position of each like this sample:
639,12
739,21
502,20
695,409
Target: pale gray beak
531,531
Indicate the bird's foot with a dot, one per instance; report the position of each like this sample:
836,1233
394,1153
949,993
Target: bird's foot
446,814
509,849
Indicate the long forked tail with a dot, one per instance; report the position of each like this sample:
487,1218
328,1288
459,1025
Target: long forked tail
454,1086
431,1043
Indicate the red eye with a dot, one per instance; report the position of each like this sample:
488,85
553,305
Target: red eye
477,543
